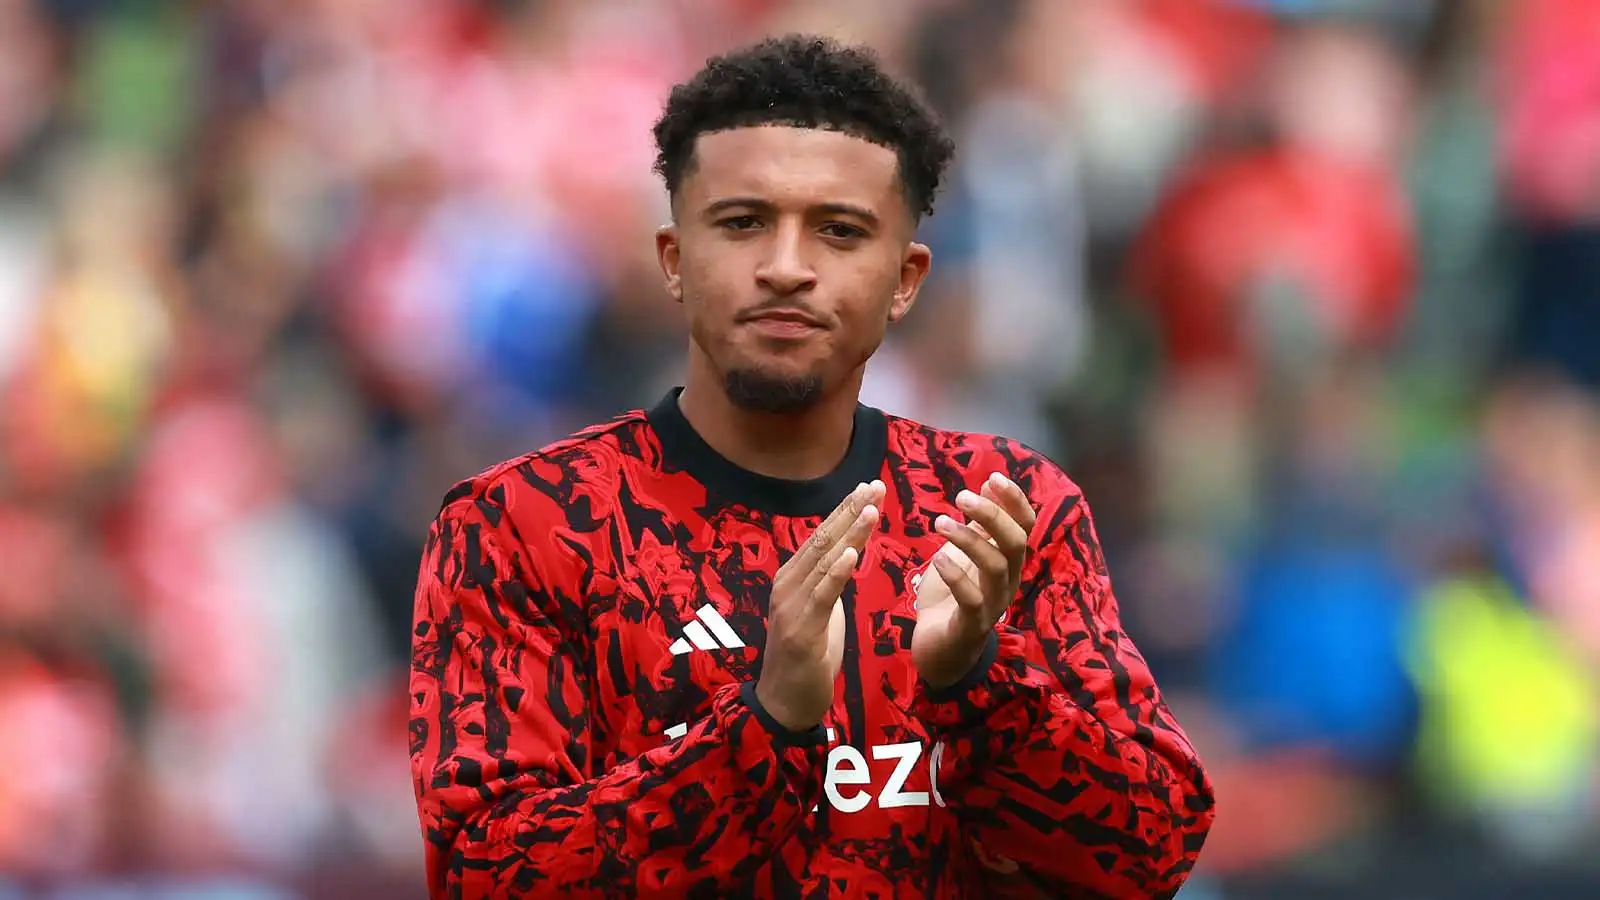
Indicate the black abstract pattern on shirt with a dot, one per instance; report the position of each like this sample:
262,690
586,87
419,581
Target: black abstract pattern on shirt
545,695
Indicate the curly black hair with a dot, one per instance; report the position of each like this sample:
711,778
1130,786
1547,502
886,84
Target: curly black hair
808,82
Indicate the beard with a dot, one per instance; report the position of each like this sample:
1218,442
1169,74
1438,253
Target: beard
756,391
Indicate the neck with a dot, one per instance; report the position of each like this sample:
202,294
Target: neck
795,446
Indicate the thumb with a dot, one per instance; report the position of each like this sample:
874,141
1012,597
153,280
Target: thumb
836,630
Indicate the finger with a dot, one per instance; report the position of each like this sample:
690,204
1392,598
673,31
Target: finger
1012,499
960,580
855,539
960,558
1008,534
991,562
844,516
982,532
821,539
833,580
862,528
826,535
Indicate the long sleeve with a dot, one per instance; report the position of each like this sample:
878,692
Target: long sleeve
1067,771
505,757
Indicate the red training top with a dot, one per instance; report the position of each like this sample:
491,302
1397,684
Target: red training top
589,626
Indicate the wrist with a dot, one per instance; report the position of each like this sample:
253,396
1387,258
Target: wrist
1005,692
782,735
779,714
966,677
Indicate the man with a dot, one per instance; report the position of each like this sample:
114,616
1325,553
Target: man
764,641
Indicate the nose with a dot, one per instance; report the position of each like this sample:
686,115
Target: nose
784,268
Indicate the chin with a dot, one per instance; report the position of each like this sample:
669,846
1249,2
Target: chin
772,391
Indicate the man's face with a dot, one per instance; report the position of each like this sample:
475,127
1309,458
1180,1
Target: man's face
791,253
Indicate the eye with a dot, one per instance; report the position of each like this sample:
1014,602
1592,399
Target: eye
739,223
843,231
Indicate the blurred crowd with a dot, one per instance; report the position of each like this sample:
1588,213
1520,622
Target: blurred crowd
1305,294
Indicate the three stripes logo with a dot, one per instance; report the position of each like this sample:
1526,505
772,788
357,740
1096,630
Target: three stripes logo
707,631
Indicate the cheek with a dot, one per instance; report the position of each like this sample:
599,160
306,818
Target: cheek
869,312
863,331
710,289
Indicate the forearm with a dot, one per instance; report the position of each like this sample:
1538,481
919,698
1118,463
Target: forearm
699,814
1076,799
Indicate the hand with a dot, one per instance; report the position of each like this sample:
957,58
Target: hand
805,620
973,581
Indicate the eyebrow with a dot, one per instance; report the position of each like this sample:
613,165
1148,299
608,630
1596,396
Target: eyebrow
838,209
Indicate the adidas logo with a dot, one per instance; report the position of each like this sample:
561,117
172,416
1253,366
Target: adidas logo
709,631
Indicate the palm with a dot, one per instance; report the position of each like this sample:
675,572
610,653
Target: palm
941,622
835,657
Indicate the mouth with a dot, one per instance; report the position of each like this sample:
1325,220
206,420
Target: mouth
784,323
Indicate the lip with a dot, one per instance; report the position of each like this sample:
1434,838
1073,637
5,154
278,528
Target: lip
784,323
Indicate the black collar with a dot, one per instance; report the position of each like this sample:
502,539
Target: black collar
683,448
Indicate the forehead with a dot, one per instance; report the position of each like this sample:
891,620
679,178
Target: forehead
784,164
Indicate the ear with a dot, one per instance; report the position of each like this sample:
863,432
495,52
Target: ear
667,257
914,266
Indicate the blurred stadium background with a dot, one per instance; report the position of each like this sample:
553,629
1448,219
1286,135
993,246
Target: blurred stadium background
1305,294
